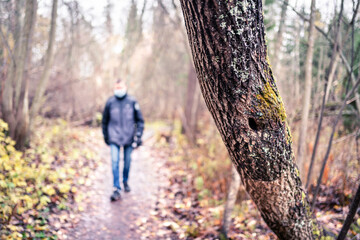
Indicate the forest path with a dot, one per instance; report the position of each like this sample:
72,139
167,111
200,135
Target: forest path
103,219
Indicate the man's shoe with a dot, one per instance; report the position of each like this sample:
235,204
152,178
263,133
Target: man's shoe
126,187
115,196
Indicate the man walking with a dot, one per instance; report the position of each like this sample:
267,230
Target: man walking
122,126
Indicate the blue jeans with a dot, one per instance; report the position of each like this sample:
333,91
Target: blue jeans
115,158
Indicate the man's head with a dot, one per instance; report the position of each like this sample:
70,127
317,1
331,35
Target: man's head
120,88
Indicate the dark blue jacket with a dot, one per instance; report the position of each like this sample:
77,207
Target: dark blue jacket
122,121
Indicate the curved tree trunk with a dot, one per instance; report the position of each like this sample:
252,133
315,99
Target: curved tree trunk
229,51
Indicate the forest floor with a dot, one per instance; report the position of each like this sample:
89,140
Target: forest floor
174,194
161,204
165,203
103,219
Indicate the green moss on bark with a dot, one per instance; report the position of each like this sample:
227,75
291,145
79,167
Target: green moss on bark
270,104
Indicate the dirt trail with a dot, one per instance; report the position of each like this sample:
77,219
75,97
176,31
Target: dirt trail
103,219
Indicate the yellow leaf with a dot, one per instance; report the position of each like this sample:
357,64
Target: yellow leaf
49,190
3,126
29,189
64,188
3,184
16,235
6,165
20,183
11,149
44,200
41,228
12,228
71,171
2,150
53,177
73,189
78,198
28,201
20,210
81,181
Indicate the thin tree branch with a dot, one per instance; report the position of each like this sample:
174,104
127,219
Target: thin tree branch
339,116
357,145
355,10
352,25
143,10
326,90
331,41
307,20
350,216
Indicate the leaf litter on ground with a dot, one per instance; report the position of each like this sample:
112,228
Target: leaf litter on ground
39,187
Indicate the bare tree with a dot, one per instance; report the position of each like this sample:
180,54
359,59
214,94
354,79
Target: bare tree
301,153
40,90
108,23
15,107
279,35
328,82
230,55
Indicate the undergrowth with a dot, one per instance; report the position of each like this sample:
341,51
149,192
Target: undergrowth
41,181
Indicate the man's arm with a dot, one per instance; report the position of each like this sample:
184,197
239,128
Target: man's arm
139,121
105,122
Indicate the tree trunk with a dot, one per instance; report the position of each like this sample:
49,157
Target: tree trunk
297,63
37,102
332,76
318,81
133,35
231,199
189,123
15,105
8,93
279,36
229,51
301,153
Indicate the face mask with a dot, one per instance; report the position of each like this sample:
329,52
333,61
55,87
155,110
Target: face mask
120,93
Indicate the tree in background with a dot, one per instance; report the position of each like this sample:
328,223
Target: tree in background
229,50
17,110
301,153
15,101
81,77
279,36
133,33
48,61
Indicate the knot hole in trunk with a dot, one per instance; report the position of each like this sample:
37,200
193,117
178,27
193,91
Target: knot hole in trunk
253,124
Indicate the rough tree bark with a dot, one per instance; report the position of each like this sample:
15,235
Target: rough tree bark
301,153
228,45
